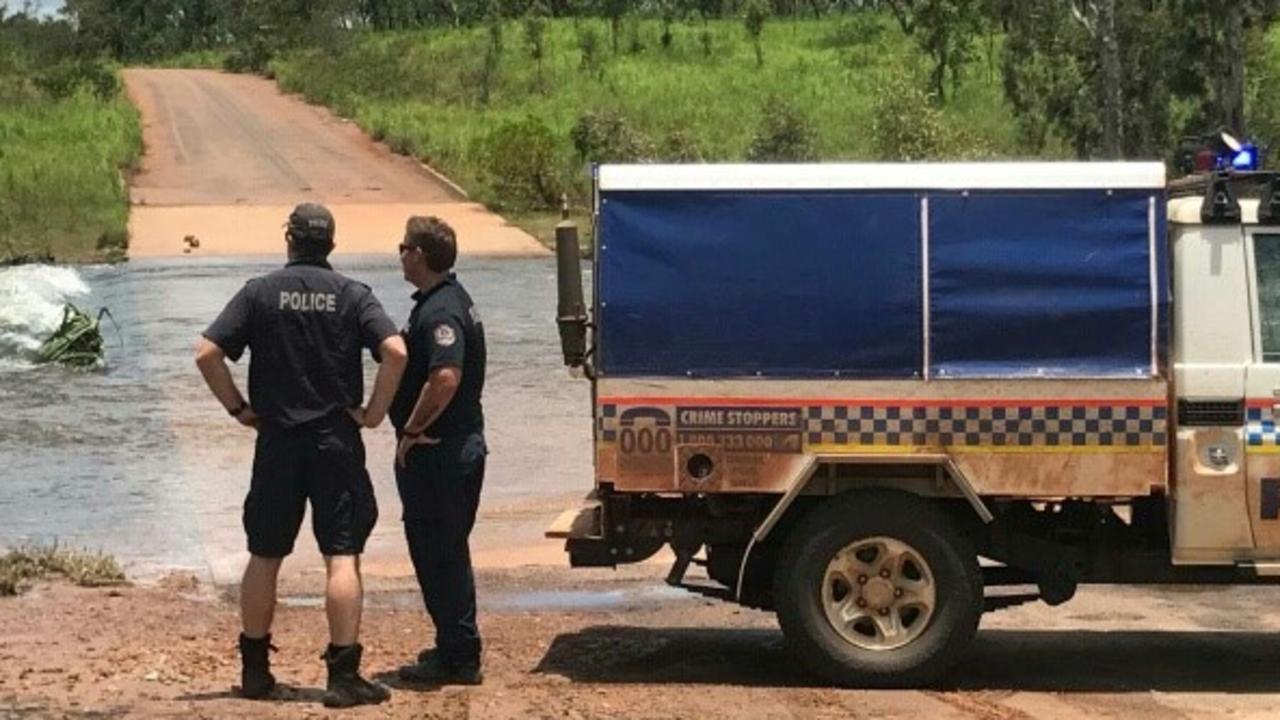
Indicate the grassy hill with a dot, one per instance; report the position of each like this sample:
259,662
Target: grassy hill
516,132
517,128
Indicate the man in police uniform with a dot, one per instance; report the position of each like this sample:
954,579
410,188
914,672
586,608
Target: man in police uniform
441,452
305,326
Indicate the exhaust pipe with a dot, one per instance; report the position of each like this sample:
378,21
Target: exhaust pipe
571,312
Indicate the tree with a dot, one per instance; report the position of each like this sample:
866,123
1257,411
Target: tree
493,51
667,10
1098,18
945,31
754,14
1126,79
1262,73
1095,73
1230,90
708,9
615,10
1212,49
535,34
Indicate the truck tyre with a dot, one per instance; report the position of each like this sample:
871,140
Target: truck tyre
878,589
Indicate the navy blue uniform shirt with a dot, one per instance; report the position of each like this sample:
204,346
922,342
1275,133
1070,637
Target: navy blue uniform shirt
444,329
305,326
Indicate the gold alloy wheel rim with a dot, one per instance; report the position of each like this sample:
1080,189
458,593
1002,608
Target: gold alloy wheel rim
879,593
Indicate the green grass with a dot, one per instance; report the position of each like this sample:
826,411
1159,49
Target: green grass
21,566
420,91
62,189
542,225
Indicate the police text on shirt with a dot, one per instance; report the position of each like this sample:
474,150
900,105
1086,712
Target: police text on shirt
309,301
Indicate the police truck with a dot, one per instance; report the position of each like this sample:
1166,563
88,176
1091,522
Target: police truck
883,399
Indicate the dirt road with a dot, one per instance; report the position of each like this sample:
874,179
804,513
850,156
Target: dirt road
227,157
612,645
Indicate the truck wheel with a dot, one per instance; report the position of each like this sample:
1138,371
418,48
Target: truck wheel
878,589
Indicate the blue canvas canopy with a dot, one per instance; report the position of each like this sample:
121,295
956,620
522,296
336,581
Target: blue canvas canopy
882,271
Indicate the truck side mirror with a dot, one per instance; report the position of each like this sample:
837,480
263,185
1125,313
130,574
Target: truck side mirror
571,313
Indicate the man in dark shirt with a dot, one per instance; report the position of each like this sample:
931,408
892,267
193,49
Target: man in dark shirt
441,451
305,326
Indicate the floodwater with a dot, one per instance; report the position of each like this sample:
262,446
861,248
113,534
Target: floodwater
138,459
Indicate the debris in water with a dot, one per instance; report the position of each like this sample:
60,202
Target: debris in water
78,340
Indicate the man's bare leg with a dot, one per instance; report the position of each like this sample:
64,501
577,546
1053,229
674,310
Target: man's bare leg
257,608
258,595
343,598
343,601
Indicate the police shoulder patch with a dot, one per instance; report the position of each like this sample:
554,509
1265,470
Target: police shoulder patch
444,335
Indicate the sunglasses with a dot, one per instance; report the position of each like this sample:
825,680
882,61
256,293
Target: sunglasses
405,247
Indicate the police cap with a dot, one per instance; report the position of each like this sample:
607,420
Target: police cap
311,222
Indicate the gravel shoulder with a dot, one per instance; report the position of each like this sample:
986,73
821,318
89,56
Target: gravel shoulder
600,644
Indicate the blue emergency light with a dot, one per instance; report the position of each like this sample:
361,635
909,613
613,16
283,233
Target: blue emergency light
1217,152
1246,158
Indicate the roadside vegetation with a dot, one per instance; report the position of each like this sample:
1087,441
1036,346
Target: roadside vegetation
515,99
515,113
24,565
67,134
515,102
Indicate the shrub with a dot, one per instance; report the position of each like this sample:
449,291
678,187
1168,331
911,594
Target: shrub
784,135
519,163
906,124
20,566
681,146
608,137
253,56
68,77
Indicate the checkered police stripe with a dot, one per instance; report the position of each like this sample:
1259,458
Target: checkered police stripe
967,426
1016,426
607,423
1260,428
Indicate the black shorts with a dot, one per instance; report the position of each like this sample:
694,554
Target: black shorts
322,461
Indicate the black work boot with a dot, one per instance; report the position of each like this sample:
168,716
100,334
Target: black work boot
256,681
346,688
432,669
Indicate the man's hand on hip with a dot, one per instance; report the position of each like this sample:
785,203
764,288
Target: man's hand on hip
407,443
248,417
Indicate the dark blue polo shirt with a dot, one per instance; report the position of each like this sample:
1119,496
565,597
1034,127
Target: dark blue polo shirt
305,326
444,329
